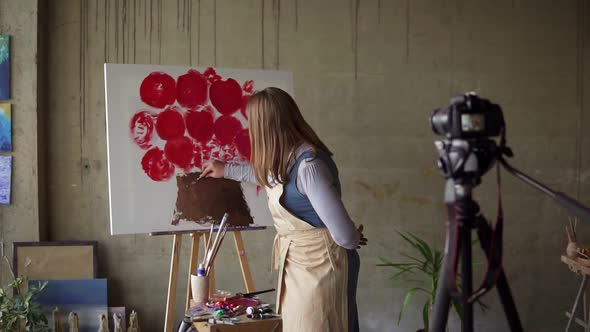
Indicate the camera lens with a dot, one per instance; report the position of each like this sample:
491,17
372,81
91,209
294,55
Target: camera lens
440,121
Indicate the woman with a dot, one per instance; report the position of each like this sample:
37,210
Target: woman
316,242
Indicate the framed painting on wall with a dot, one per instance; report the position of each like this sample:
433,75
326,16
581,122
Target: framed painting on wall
55,260
4,67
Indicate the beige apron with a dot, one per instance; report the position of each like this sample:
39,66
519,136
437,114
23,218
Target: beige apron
313,273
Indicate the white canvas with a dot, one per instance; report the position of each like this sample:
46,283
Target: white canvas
138,203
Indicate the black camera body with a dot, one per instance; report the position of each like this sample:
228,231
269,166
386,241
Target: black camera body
468,117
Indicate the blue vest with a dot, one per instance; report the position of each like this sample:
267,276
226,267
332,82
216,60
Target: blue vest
297,203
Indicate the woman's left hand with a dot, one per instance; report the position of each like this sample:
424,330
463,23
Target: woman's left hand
363,240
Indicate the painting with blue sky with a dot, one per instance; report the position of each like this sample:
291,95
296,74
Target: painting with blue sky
4,67
5,128
85,297
5,176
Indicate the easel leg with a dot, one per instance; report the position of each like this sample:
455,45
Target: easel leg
572,314
243,262
192,265
171,300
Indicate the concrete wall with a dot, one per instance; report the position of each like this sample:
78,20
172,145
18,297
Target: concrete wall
367,75
20,221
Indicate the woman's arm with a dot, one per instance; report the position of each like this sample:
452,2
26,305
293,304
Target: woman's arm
234,171
316,181
240,172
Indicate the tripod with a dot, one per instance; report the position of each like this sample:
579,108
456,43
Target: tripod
463,162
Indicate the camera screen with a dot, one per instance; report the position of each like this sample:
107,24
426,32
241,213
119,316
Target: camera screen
472,122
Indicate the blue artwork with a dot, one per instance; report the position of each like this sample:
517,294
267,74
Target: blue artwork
5,128
4,67
85,297
5,175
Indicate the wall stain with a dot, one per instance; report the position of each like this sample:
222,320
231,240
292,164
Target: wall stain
215,33
356,37
160,31
296,14
124,30
117,30
262,29
580,93
422,201
177,14
106,29
378,11
135,15
151,28
276,4
96,16
381,191
407,31
354,17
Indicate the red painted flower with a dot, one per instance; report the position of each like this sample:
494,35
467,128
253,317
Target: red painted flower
226,128
242,142
158,90
200,125
226,96
191,89
170,124
156,166
141,128
180,152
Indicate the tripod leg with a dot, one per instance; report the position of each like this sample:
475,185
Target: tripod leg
575,307
484,232
466,277
442,300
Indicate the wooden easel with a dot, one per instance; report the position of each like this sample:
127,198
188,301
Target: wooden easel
194,257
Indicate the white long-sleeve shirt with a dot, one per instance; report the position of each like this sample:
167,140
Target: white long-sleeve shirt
315,181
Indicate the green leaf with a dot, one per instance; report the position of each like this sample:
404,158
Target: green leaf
426,315
407,299
421,262
458,308
428,252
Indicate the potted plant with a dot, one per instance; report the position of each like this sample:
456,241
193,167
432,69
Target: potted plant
19,310
419,273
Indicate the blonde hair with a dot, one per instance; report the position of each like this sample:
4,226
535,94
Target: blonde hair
277,129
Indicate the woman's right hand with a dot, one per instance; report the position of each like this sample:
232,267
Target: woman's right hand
212,169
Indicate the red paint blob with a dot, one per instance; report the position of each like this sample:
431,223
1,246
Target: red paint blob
199,125
158,90
191,89
245,99
170,124
226,96
211,75
156,166
242,142
197,157
141,128
226,128
248,86
180,152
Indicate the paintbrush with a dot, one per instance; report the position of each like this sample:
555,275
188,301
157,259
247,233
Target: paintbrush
209,241
216,242
216,249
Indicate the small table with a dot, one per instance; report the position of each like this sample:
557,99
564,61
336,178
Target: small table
584,271
244,325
